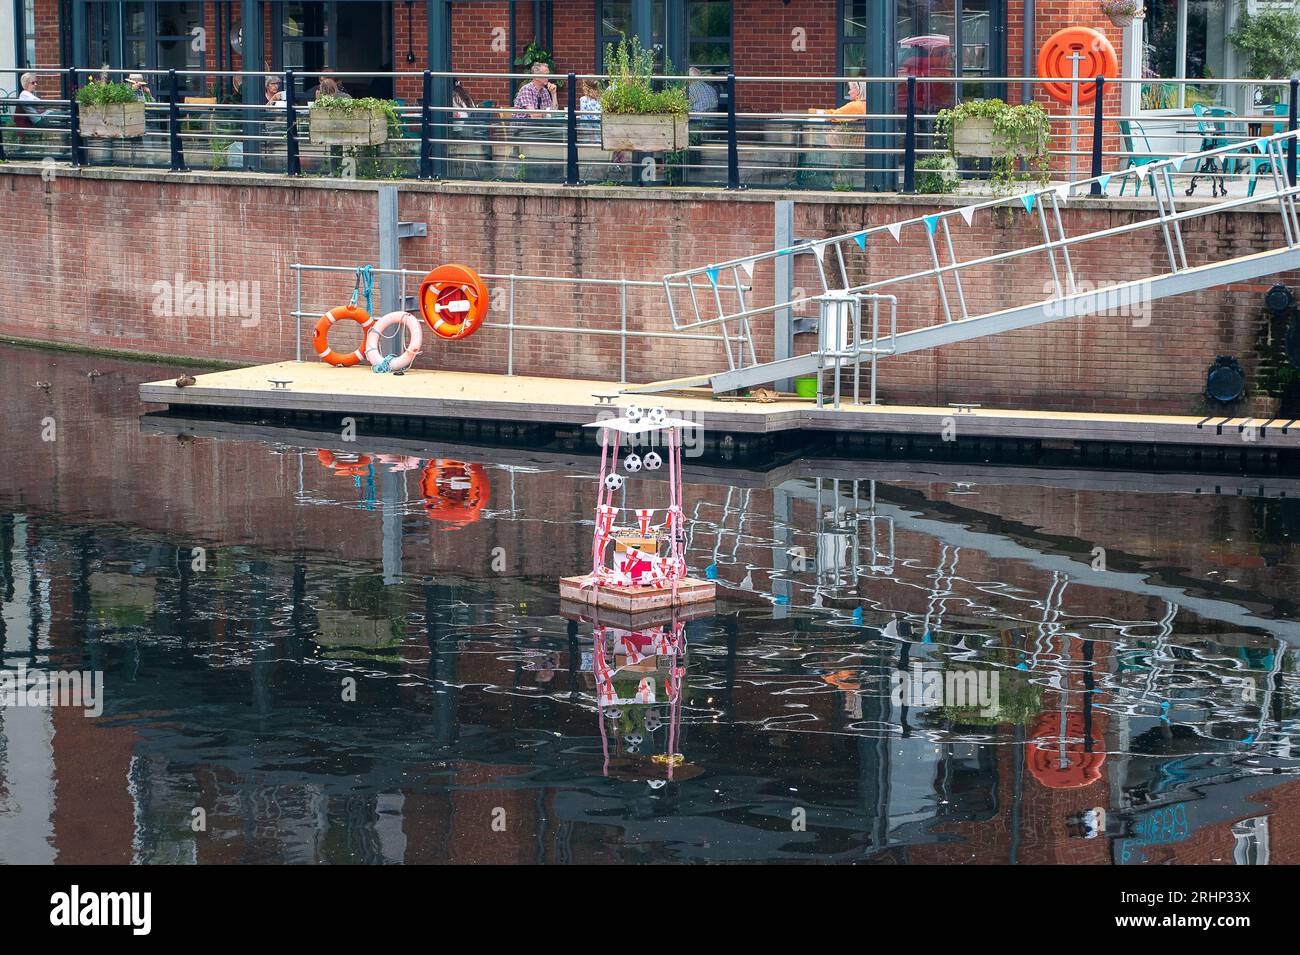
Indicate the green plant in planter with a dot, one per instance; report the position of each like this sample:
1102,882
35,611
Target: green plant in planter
367,104
105,94
937,175
631,87
1270,39
1020,131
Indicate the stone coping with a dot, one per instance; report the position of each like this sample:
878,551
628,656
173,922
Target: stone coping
558,191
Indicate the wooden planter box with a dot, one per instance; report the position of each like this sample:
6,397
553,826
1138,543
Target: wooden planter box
113,121
975,138
643,133
329,127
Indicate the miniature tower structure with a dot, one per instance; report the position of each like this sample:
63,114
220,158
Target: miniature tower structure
638,554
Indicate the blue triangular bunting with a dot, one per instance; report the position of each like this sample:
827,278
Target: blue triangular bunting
1028,201
1105,181
861,240
930,222
713,275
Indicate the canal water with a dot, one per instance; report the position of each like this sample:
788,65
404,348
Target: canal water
309,649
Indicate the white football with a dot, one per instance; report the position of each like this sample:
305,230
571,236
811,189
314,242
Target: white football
658,416
634,413
613,481
632,463
652,461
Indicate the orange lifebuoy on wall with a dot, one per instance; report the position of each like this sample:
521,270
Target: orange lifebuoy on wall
1099,59
453,301
1059,764
351,465
321,340
454,492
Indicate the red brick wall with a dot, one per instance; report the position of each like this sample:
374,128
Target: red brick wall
95,283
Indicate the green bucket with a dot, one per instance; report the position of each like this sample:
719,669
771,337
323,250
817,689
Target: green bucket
806,387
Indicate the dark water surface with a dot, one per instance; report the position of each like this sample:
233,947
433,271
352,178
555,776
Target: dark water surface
316,661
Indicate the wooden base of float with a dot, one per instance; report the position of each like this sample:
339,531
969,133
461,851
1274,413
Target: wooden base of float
636,599
634,620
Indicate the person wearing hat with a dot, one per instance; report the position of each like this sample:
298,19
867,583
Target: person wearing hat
140,87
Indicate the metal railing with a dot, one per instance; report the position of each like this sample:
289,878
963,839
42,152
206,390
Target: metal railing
507,289
701,303
767,144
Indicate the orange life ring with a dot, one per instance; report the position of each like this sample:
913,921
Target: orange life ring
321,340
1099,59
356,465
1045,750
454,492
453,301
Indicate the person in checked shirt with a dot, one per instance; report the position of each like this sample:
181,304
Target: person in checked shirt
539,94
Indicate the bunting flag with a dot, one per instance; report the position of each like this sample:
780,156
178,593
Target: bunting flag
748,266
968,213
819,250
1105,181
861,240
712,273
894,229
930,222
1028,201
1063,190
1178,163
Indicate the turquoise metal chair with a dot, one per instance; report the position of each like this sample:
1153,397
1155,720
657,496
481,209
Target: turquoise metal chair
1252,160
1136,141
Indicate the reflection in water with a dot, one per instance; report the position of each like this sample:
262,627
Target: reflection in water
361,657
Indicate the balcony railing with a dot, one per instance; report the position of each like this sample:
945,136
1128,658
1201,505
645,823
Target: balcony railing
729,148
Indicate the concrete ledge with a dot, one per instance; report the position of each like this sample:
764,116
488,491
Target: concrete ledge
593,191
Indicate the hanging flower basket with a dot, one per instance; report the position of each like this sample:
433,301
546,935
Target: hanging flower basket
1122,13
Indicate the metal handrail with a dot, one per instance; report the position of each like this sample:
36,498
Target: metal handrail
510,326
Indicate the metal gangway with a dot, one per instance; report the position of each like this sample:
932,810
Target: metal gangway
721,294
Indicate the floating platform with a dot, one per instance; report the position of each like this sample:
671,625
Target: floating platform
638,620
636,600
315,391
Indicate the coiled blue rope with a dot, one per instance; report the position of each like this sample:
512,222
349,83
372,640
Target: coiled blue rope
365,286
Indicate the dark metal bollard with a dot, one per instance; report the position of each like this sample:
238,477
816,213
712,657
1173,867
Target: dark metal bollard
293,166
1098,121
733,149
909,139
571,132
75,154
426,118
174,122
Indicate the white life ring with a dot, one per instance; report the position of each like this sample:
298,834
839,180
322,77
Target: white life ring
414,339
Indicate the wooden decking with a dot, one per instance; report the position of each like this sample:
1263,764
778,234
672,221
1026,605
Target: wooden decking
316,387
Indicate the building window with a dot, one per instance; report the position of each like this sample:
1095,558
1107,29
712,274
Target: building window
708,35
1184,39
28,51
616,23
304,37
157,36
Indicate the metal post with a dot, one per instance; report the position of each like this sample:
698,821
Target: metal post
390,260
75,155
1074,114
909,139
174,122
1291,125
733,150
571,134
426,110
1098,115
292,166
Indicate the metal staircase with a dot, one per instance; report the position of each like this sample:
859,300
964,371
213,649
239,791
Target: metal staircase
720,294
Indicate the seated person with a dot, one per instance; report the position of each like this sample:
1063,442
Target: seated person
703,96
539,93
856,106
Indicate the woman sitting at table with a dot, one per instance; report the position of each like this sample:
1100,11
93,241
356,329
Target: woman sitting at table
856,106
